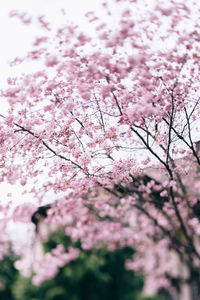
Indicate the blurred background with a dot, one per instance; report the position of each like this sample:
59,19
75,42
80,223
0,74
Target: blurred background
98,274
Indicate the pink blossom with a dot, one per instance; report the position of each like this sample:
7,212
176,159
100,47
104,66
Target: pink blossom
51,60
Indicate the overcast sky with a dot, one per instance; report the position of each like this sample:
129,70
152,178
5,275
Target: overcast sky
16,39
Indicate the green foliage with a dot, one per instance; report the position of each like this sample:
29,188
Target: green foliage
8,275
95,275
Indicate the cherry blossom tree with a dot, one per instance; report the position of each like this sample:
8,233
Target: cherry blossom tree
108,124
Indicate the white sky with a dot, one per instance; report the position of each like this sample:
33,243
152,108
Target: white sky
16,39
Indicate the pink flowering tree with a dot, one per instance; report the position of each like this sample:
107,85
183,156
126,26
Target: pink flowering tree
108,126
